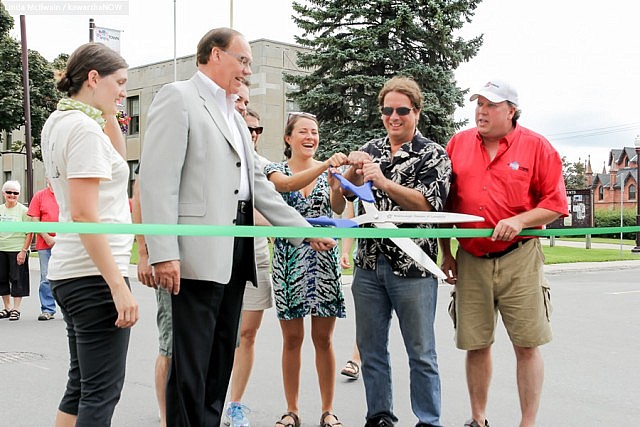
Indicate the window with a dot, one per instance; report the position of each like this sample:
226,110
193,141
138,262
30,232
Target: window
600,192
133,110
632,192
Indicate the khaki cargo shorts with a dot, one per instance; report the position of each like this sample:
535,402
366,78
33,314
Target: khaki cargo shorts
164,320
513,285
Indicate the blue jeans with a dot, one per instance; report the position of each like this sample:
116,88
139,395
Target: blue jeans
47,303
376,294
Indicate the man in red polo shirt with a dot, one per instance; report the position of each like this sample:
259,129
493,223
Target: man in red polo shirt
44,207
512,177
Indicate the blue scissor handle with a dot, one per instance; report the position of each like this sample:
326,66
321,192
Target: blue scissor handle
336,222
362,191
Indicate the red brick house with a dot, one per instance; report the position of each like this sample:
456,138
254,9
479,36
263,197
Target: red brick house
621,178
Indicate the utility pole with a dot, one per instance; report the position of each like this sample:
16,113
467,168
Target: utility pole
27,105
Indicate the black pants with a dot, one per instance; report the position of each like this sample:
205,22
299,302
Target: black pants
97,349
206,317
14,278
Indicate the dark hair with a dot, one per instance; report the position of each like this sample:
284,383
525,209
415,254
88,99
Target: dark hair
253,113
516,115
404,85
89,56
288,129
218,37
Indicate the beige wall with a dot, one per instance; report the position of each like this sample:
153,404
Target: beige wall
14,166
268,94
267,91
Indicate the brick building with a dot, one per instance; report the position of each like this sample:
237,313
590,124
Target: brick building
620,182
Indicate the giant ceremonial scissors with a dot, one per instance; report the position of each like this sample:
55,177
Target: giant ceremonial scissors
386,219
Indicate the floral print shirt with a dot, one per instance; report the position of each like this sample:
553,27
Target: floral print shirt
420,164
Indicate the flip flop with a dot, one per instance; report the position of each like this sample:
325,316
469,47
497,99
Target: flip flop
351,369
293,416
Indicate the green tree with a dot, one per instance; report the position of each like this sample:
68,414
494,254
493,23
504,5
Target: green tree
356,46
42,92
574,174
11,108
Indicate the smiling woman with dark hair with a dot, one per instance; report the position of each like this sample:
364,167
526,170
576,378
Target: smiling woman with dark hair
305,282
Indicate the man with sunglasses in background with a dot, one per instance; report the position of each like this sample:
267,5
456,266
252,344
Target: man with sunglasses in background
513,178
408,172
256,298
198,168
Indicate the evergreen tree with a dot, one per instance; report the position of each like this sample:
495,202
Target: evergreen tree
356,46
574,174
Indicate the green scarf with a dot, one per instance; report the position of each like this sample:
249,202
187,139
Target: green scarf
66,104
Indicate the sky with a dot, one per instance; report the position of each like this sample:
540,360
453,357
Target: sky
574,63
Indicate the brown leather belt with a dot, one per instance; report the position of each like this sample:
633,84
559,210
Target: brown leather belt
511,248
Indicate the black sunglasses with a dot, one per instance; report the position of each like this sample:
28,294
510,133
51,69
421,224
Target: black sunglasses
301,113
257,130
402,111
15,193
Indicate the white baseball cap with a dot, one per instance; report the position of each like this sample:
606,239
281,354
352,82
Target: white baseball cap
497,91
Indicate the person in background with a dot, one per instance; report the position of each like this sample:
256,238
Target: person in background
44,207
307,283
198,168
84,159
163,310
408,172
14,253
513,178
242,101
255,301
351,369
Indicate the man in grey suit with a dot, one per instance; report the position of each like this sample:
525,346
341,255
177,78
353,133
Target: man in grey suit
198,167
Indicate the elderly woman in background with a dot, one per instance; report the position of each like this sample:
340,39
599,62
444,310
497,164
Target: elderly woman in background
14,253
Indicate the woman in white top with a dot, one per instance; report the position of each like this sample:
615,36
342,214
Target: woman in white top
82,148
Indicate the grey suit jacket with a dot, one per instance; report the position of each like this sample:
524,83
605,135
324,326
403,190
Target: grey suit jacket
190,174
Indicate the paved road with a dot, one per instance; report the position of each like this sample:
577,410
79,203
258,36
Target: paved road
592,375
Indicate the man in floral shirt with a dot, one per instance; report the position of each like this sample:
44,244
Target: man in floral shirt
408,172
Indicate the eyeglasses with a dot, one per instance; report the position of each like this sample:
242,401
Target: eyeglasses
301,113
257,130
13,193
402,111
243,60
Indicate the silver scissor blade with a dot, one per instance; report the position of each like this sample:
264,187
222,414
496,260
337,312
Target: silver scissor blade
415,252
407,245
423,217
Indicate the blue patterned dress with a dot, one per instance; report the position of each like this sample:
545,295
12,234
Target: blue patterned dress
306,282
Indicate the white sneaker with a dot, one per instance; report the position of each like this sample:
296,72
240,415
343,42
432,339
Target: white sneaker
236,415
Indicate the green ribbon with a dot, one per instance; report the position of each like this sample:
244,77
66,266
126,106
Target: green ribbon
299,232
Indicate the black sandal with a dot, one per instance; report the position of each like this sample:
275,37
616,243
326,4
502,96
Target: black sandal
4,314
351,369
324,423
293,416
14,315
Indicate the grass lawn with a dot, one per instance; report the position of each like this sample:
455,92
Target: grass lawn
555,255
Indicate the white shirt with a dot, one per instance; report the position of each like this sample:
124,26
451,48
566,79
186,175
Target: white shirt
227,106
74,146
